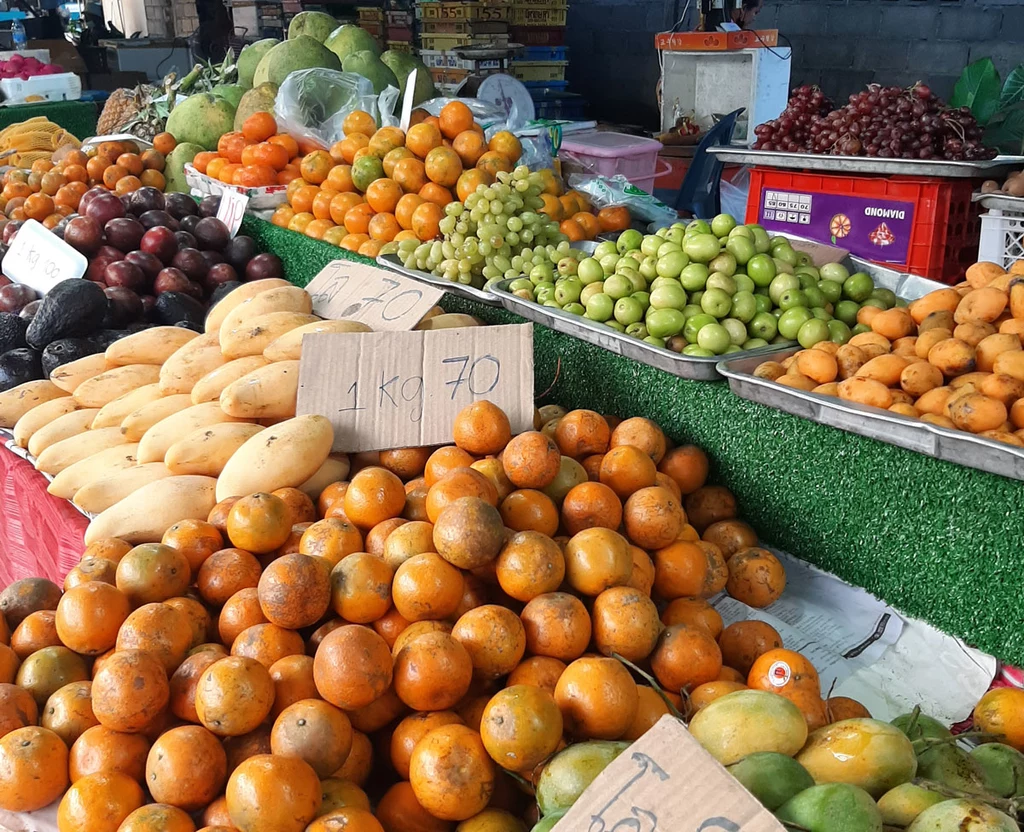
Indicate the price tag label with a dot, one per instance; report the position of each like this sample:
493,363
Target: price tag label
232,209
378,298
404,389
40,259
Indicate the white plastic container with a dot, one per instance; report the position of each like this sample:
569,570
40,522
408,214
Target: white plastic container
64,86
1002,237
609,154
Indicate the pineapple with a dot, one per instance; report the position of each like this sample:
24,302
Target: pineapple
132,111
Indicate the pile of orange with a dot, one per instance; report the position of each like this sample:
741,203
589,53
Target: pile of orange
427,632
255,157
52,189
378,186
575,215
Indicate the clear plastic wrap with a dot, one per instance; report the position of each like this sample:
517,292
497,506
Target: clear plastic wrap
617,190
313,103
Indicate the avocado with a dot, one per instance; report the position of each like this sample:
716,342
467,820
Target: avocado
105,337
18,366
173,307
222,291
66,350
12,331
71,309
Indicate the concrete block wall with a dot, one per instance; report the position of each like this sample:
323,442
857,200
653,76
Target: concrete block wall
158,19
839,44
186,21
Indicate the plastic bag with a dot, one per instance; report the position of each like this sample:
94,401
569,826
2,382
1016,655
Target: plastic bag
617,190
313,103
490,116
734,193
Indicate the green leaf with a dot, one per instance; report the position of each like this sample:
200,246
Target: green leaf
979,89
1013,88
1008,136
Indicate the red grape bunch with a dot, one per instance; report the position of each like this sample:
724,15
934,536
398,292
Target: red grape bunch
887,122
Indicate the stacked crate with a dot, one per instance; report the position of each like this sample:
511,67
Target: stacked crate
400,29
539,22
539,25
445,26
371,19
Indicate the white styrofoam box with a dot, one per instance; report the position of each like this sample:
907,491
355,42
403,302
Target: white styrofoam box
265,198
1002,237
720,82
64,86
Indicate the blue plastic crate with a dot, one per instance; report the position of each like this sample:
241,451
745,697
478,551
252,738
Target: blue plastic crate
559,106
546,53
545,85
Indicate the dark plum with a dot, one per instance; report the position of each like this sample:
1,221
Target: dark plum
15,297
152,219
28,312
124,306
222,291
240,251
124,233
110,253
209,206
148,303
90,195
185,240
96,270
125,274
11,229
126,201
180,206
194,290
149,263
5,280
219,274
171,280
212,233
83,234
189,222
160,241
263,266
147,199
212,257
191,262
103,209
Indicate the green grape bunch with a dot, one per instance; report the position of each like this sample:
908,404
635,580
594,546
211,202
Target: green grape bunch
498,233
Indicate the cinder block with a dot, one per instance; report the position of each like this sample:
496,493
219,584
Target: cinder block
937,56
855,19
910,21
968,24
881,55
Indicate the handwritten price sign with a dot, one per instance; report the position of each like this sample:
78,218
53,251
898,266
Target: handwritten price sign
380,299
403,389
232,209
40,259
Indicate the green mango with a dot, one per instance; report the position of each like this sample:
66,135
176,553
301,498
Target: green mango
951,766
771,777
571,770
832,807
174,169
899,806
925,726
232,93
547,823
962,816
1003,768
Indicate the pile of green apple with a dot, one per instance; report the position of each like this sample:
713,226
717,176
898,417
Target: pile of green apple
706,289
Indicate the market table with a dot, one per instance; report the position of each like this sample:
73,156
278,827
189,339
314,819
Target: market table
77,117
936,540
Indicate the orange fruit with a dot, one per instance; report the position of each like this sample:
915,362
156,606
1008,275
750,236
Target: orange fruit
411,174
597,697
383,194
164,142
352,143
686,657
443,166
393,157
455,117
259,127
340,179
469,180
470,146
426,221
321,207
999,712
353,242
573,230
588,222
422,138
385,140
316,166
359,121
494,162
507,145
357,218
287,142
342,202
407,205
614,218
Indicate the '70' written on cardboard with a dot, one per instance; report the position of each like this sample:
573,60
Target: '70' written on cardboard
385,390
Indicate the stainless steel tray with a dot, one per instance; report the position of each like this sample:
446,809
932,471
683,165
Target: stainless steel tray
684,366
946,444
868,164
391,261
999,202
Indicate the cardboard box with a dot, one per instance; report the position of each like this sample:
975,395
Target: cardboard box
667,781
63,53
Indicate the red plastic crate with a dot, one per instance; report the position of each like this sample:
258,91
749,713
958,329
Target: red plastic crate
538,35
933,227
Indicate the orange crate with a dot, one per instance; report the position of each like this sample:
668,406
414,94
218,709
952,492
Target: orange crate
924,225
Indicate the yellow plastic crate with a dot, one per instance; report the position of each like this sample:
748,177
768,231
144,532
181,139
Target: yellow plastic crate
370,14
400,46
539,70
530,15
463,11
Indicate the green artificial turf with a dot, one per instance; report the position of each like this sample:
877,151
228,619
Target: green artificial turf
77,117
937,541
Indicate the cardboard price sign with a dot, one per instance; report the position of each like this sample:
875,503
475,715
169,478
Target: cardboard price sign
41,260
380,299
232,208
667,781
404,389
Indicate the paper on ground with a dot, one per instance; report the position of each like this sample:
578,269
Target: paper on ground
867,649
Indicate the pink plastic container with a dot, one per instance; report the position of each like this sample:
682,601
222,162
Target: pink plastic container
610,154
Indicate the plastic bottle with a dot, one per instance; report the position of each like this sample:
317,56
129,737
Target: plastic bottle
18,35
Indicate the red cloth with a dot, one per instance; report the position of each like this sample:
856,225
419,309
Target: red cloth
40,535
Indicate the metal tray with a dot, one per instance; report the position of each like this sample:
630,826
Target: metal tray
946,444
868,164
999,202
391,261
